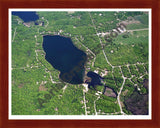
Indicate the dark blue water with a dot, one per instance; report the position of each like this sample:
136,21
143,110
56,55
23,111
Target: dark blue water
65,57
26,16
96,79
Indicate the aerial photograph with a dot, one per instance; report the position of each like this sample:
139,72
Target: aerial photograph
77,62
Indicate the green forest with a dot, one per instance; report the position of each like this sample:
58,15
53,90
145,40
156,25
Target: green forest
123,63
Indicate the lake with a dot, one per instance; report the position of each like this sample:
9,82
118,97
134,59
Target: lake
65,57
26,16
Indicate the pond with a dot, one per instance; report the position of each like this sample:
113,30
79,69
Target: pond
96,79
26,16
65,57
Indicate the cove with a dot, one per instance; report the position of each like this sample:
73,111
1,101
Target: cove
65,57
26,16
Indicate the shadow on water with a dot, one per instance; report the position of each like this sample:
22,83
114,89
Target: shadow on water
65,57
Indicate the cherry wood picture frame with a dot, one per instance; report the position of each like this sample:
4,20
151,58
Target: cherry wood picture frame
4,63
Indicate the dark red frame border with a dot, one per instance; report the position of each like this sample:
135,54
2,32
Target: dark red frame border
4,109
